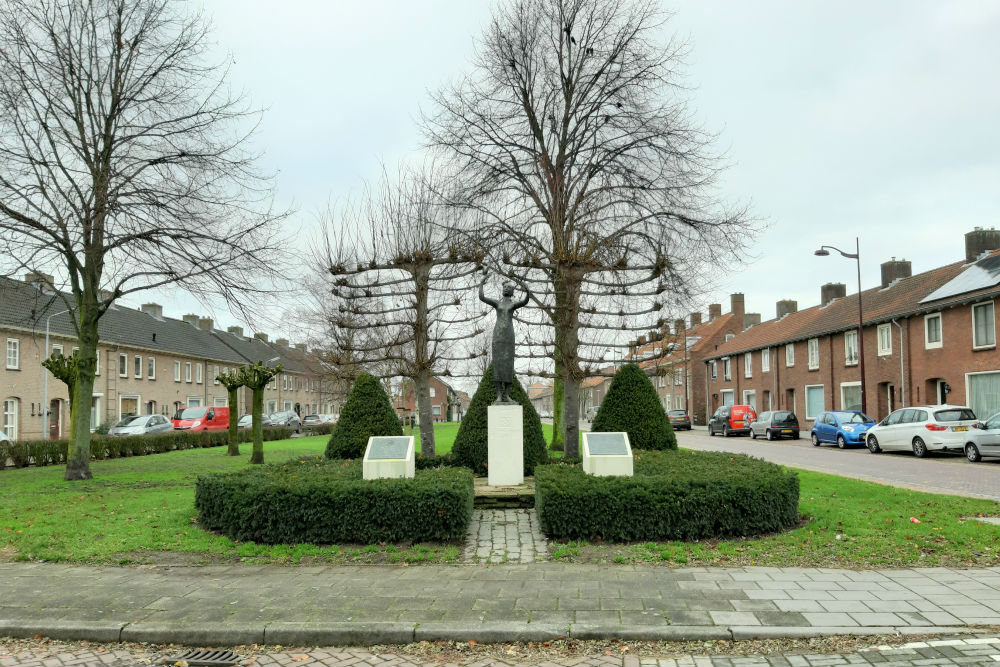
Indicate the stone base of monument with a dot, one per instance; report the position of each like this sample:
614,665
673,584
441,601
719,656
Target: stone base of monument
388,457
505,440
607,454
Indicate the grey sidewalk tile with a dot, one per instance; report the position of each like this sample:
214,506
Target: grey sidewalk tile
632,604
689,618
845,605
579,604
768,594
890,605
650,617
733,618
882,618
710,605
602,618
799,605
781,618
829,618
754,605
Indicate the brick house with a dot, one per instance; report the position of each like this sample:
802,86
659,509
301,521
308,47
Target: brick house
446,405
928,338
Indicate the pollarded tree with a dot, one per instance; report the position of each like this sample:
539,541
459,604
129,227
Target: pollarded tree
232,381
123,166
366,413
66,369
631,405
256,377
573,142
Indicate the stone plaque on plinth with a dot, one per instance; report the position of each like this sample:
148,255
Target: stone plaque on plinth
505,460
606,454
388,456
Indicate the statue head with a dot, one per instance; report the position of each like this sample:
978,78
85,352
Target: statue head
508,289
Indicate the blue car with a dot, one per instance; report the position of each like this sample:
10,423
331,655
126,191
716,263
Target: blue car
844,427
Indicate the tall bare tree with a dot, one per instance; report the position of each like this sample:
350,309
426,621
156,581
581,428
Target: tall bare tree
400,279
575,141
124,165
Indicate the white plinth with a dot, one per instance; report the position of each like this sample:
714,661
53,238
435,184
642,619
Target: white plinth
607,454
505,461
388,457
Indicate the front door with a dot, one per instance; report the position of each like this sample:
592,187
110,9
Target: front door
55,418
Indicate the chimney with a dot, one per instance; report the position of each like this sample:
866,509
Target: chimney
980,240
652,335
679,327
283,342
736,305
894,269
665,331
714,311
40,280
191,319
695,319
261,336
831,291
205,323
785,307
238,331
301,347
642,340
154,309
750,320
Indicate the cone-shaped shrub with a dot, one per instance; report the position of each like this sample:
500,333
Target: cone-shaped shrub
631,405
470,448
366,412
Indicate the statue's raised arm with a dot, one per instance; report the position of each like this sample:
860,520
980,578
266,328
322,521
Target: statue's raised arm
482,295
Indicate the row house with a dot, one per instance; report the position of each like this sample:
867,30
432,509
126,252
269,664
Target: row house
447,404
146,363
927,339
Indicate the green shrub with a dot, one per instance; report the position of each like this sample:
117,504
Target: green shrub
674,495
321,501
366,413
471,444
631,405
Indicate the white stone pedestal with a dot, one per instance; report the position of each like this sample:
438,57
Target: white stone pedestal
505,461
607,454
388,457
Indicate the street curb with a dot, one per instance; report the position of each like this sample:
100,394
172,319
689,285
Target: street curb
666,633
97,631
494,632
289,633
192,634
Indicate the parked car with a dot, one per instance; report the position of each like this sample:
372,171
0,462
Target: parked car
984,440
328,418
246,421
311,420
201,419
3,437
731,419
923,428
592,412
287,418
774,424
679,419
844,427
141,425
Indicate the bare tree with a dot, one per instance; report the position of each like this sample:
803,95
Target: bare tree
232,381
124,165
574,141
399,278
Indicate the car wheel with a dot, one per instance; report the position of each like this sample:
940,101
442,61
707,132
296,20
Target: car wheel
919,448
815,440
873,445
753,434
769,434
972,453
725,431
841,442
795,436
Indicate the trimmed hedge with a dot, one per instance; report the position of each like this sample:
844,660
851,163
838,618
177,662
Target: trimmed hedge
471,448
631,405
320,501
51,452
674,495
366,413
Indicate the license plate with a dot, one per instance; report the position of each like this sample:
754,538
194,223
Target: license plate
786,430
959,428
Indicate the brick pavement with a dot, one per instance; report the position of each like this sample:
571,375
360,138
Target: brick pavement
505,536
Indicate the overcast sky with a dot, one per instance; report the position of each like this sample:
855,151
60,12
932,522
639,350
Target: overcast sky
840,119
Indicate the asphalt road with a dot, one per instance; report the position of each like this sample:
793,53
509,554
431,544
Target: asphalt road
938,473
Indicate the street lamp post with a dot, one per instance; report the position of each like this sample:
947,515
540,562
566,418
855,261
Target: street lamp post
45,377
823,251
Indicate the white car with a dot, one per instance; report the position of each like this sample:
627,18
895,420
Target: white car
984,440
923,428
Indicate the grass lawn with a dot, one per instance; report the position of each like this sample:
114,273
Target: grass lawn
445,433
141,509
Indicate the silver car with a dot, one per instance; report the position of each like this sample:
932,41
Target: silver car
923,428
246,421
287,418
984,440
141,425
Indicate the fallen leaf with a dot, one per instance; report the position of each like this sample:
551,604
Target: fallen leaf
300,657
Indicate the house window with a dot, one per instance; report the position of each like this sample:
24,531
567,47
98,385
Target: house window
728,396
187,371
287,407
199,372
747,364
10,418
814,400
851,348
272,407
97,360
715,369
432,392
884,339
750,398
151,368
123,365
678,377
95,412
57,350
436,410
215,377
932,331
678,402
984,332
177,371
727,371
789,355
729,337
13,353
850,395
765,360
194,401
812,347
137,366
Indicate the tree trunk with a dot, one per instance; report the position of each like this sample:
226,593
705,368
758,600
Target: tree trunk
566,342
557,407
422,389
78,455
258,428
234,411
571,445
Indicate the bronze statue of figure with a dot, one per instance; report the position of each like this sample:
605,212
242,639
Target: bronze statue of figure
503,338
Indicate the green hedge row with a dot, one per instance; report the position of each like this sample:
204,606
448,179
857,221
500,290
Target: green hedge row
322,501
673,495
52,452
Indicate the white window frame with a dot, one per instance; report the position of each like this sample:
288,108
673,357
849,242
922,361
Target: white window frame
746,398
177,371
150,368
10,415
849,358
765,360
806,397
812,349
730,336
138,403
436,410
928,344
215,380
727,369
122,365
789,355
431,389
284,382
748,364
194,402
678,377
97,366
884,338
187,372
137,366
199,373
56,347
272,406
843,385
992,322
722,397
715,369
13,355
286,406
95,411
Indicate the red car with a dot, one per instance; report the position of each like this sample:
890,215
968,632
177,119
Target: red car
201,419
732,419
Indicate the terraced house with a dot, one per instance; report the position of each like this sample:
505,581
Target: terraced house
147,363
928,338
